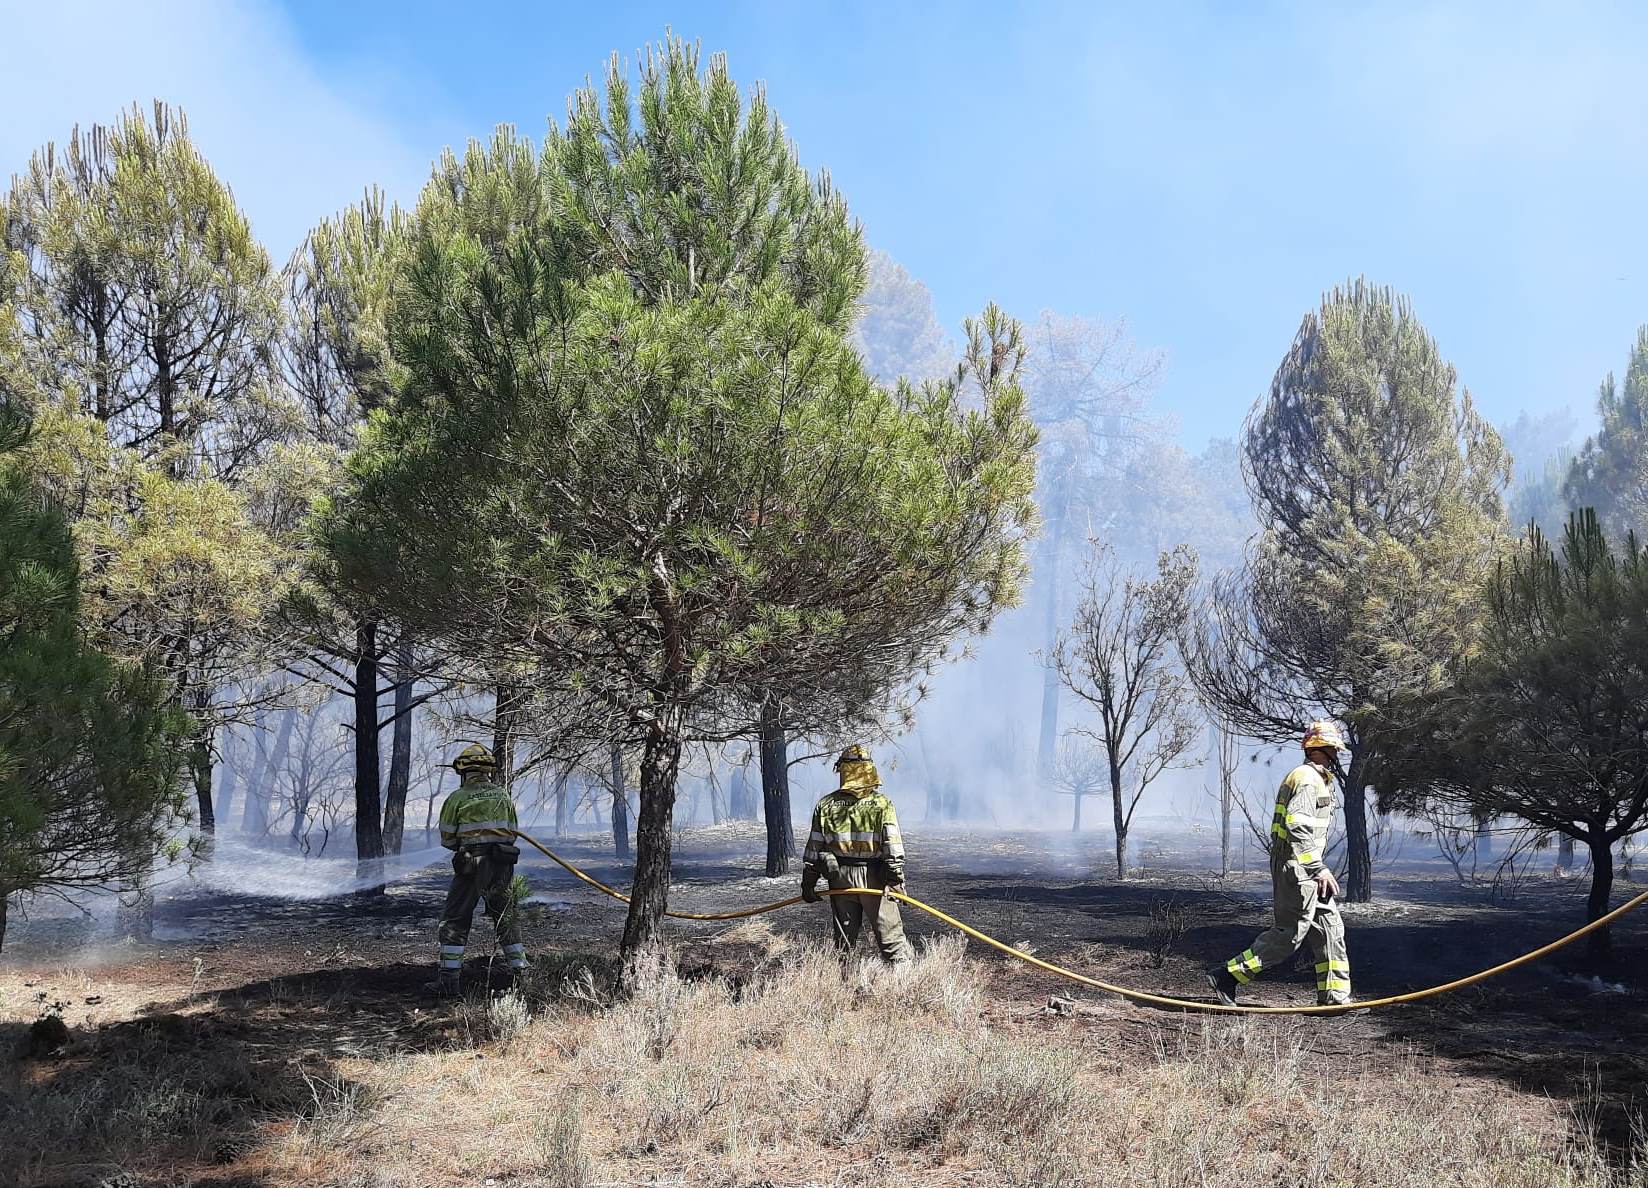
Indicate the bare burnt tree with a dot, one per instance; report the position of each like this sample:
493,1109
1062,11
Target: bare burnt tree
1118,656
1082,770
1088,387
1226,754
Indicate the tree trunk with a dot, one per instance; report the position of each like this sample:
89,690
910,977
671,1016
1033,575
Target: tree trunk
649,892
561,804
1048,745
718,801
775,790
200,771
400,752
505,714
1223,755
1599,944
5,899
1075,823
300,816
620,806
254,819
743,802
228,778
368,794
1224,835
134,917
1118,818
1565,855
166,387
104,406
1359,858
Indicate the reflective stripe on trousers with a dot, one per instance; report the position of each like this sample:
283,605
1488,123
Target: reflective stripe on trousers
476,876
1300,915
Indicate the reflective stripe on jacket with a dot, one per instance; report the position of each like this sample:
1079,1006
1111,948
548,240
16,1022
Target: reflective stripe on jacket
856,829
478,812
1304,809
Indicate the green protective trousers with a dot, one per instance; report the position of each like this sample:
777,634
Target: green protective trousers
481,872
849,912
1300,915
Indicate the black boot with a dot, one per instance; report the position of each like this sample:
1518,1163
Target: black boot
1223,983
445,985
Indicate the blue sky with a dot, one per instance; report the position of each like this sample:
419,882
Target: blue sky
1204,171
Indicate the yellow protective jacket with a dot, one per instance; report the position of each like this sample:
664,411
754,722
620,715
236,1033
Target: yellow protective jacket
1304,809
478,813
857,827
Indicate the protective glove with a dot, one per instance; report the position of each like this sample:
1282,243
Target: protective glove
809,889
894,874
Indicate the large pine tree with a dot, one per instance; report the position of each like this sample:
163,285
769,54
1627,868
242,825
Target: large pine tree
1377,488
633,454
146,313
1547,719
89,753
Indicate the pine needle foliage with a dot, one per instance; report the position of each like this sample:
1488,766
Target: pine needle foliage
632,450
89,753
1548,719
1610,473
1377,485
146,313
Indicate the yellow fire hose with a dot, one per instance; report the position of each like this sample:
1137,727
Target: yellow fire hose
1186,1004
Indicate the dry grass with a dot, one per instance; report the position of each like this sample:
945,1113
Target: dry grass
801,1073
798,1072
162,1085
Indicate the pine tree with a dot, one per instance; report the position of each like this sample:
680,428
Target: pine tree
336,363
633,453
89,751
1087,389
147,312
1610,473
149,305
898,331
1548,718
1377,488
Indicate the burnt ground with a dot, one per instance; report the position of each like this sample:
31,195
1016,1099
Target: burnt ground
248,1000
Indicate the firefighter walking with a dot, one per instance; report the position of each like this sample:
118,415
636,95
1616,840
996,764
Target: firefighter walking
1304,890
854,842
475,824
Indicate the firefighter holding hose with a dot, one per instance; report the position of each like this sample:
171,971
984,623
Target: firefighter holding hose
477,823
1303,888
855,843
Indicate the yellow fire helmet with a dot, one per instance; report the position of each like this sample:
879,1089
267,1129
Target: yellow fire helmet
1324,734
474,757
858,773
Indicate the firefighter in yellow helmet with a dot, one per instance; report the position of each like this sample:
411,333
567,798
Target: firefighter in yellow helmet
1304,889
854,842
475,824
